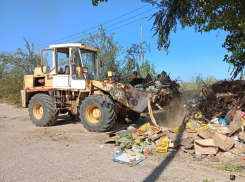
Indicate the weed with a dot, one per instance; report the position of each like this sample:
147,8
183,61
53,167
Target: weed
233,168
208,164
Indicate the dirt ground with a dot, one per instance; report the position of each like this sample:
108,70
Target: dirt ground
68,152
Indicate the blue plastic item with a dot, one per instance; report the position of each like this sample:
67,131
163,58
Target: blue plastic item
117,153
125,159
223,121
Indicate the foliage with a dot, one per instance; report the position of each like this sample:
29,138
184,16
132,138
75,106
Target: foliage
13,67
111,55
197,83
146,68
133,59
230,167
109,51
96,2
205,15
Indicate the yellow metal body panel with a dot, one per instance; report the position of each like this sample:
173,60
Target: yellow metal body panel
23,98
38,72
28,81
48,81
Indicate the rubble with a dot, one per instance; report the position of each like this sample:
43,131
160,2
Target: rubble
206,146
222,99
208,141
203,136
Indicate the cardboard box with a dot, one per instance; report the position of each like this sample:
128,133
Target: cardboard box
205,146
223,142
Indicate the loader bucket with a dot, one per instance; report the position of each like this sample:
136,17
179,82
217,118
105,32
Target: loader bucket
126,94
136,99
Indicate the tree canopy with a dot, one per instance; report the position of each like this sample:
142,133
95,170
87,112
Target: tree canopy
109,50
13,67
115,58
204,16
96,2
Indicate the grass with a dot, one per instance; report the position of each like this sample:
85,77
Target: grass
232,168
208,164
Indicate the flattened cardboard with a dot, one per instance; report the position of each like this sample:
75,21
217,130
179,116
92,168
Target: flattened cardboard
236,123
206,146
222,141
241,136
240,146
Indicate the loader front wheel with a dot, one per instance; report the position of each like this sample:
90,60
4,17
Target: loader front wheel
97,113
41,110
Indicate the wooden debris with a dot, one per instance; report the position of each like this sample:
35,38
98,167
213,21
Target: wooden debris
221,97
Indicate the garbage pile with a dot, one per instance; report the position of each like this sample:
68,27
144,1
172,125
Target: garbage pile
221,97
134,145
213,130
195,137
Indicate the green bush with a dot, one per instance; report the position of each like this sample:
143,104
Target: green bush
13,67
198,83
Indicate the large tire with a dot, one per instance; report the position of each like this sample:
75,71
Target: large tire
97,113
42,111
133,116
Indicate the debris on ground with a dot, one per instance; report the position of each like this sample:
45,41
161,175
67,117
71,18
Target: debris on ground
212,141
128,159
205,134
222,99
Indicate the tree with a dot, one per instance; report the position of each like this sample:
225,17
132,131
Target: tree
205,15
133,60
147,67
111,55
13,67
96,2
108,53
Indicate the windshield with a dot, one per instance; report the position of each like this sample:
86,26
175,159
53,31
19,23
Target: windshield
75,62
82,58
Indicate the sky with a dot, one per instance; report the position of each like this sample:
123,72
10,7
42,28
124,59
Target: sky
45,22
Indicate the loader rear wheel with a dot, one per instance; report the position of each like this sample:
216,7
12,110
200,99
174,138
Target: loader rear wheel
41,110
97,113
133,116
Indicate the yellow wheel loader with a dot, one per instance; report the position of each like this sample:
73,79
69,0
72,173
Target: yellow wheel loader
68,82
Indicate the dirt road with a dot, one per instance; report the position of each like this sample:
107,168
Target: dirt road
68,152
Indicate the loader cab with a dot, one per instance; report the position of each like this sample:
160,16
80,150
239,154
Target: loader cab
70,64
